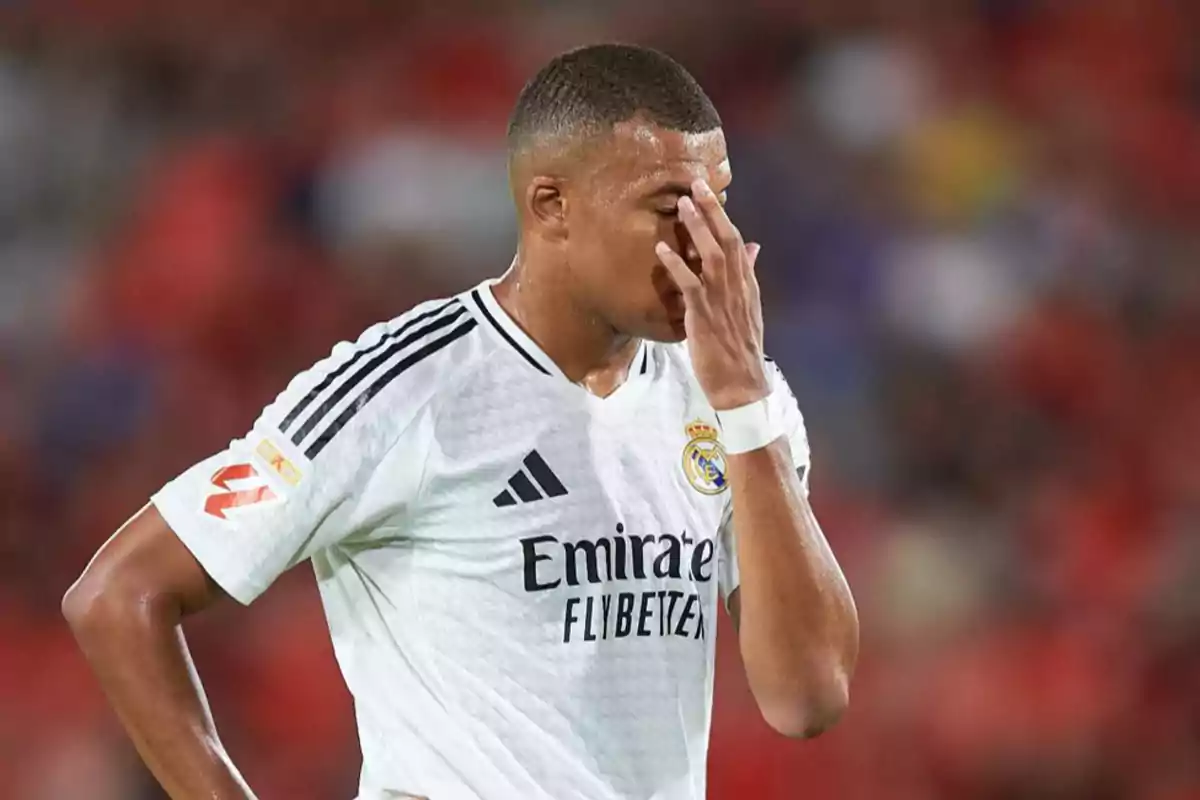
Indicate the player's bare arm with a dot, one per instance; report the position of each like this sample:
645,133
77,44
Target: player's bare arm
797,624
125,611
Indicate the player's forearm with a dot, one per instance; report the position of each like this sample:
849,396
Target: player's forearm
798,628
138,653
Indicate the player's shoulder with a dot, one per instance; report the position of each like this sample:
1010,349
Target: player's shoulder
382,378
425,346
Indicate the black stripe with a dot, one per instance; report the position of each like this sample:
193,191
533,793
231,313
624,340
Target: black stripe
337,373
504,499
524,489
375,388
545,477
645,357
372,365
504,333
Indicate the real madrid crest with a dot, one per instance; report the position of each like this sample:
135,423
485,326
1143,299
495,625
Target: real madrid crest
704,459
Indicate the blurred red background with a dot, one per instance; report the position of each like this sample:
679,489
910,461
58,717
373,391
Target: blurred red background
981,230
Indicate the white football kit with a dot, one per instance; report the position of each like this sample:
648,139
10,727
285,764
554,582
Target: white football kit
520,578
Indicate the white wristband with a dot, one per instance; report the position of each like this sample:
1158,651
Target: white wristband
749,427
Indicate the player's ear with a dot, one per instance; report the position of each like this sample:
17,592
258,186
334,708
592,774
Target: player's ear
546,206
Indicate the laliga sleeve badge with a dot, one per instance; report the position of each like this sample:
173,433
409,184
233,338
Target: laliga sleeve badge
239,485
704,459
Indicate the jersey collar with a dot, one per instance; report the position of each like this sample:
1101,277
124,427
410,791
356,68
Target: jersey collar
482,302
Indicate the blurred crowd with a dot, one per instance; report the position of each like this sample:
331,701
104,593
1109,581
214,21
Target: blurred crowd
981,255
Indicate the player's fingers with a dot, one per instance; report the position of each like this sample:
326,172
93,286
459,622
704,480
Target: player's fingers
755,296
712,257
727,235
752,251
688,282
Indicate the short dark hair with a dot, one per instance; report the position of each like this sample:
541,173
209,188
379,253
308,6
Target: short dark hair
589,90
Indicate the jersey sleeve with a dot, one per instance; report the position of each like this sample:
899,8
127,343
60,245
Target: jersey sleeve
782,397
295,483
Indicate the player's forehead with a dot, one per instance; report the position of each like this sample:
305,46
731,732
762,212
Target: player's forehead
646,159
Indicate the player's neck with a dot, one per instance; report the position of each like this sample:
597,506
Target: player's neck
587,350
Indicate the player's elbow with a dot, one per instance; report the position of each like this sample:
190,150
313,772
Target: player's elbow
101,599
811,709
89,601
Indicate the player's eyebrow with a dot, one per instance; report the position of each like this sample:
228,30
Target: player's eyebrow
680,189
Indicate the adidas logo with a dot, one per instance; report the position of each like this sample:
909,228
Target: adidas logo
526,486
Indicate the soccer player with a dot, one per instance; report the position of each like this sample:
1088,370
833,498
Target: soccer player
522,503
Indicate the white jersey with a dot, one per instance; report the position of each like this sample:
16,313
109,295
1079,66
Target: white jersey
520,578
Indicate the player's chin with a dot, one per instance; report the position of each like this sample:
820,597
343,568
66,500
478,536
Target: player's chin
665,329
665,322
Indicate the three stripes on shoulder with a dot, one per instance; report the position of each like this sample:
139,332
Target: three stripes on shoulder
414,341
394,353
